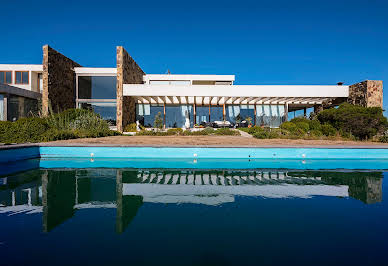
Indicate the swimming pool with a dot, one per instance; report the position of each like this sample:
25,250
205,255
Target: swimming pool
192,206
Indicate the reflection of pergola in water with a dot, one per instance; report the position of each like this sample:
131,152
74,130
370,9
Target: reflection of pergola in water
62,192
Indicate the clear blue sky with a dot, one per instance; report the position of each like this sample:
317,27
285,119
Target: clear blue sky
261,42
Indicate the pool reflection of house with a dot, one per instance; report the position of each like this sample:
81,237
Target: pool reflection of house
60,193
125,94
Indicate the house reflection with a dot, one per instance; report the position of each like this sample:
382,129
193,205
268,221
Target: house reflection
60,193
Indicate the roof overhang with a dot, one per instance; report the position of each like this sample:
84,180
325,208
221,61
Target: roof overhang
234,94
7,89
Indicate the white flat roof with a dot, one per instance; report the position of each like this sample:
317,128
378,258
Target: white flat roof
21,67
234,94
95,70
237,90
188,77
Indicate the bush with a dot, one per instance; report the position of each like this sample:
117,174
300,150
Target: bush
226,132
304,126
314,125
289,126
130,127
58,134
328,130
361,122
72,123
7,132
384,139
158,121
175,131
316,133
261,134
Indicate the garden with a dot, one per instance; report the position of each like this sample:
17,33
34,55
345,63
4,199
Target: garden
70,124
347,122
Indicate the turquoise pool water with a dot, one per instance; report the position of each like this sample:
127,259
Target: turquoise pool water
193,211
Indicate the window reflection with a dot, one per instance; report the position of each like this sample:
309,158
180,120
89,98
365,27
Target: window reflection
97,87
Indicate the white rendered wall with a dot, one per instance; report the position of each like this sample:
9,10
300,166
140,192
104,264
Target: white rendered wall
33,71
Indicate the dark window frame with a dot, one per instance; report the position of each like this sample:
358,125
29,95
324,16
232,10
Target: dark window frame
22,81
4,73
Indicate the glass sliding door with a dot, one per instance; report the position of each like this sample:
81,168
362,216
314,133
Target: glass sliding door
202,114
216,113
146,113
270,115
176,115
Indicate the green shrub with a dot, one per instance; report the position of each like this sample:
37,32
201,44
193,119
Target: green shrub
58,134
73,123
208,131
261,134
303,126
384,139
175,131
328,130
152,133
158,121
298,133
29,129
316,133
226,132
361,122
130,127
289,126
7,132
314,124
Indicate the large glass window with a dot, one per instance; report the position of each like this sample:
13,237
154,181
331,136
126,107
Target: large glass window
216,113
270,115
107,110
97,87
6,77
247,112
176,115
202,114
19,107
22,77
145,113
235,113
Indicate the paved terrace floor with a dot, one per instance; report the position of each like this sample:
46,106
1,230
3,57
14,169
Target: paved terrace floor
212,141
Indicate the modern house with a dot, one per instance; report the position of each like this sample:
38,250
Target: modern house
126,94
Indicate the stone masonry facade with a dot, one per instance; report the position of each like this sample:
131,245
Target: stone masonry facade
368,93
58,81
128,72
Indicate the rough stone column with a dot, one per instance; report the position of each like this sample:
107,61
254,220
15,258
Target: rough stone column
58,81
368,93
128,72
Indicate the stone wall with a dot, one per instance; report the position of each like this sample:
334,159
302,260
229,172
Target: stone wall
58,81
368,93
128,72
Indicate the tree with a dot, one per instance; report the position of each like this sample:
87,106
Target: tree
158,122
